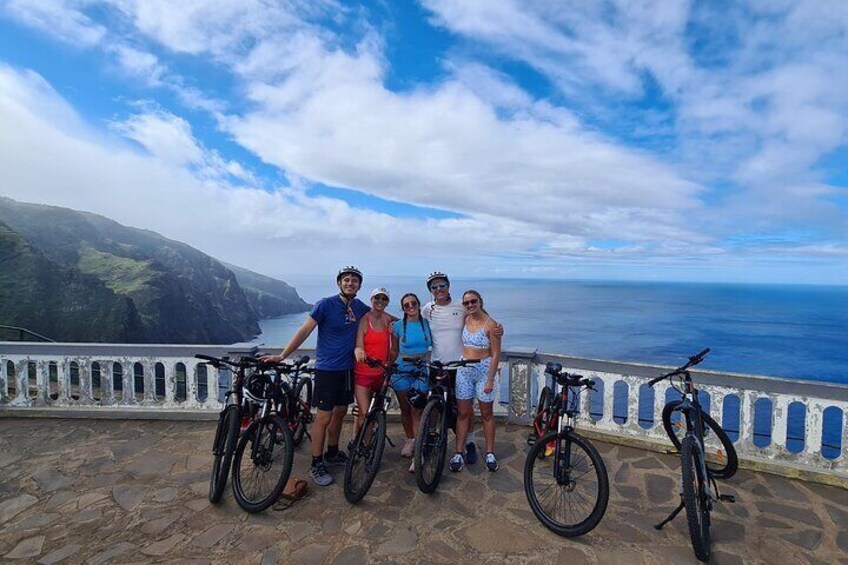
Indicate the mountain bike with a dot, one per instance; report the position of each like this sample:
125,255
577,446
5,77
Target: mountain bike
699,489
262,461
366,452
297,405
229,419
439,414
565,479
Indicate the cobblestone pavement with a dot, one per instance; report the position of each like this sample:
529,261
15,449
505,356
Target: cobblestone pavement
92,491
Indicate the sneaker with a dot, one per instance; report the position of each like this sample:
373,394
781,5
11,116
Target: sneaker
408,447
412,466
319,474
491,462
471,453
337,460
457,463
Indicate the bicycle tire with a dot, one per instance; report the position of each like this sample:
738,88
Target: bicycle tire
259,480
430,446
226,437
543,412
365,456
584,470
302,410
717,468
694,499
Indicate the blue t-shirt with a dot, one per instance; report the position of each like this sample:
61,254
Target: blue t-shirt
337,326
417,341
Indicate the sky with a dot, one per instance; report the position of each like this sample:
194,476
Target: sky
623,140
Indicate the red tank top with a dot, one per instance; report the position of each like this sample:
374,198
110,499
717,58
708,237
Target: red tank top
376,345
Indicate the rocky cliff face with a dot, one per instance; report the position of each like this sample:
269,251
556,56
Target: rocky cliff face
74,276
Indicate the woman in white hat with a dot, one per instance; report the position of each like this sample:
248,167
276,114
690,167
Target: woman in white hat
375,338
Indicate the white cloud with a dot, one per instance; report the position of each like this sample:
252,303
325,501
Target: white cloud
62,19
168,188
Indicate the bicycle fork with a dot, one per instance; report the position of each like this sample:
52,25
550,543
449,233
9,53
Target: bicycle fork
562,455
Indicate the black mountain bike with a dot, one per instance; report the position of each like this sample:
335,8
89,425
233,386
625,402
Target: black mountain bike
565,478
366,452
263,458
227,431
297,403
699,470
439,414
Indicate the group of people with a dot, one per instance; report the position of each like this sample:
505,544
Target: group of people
349,331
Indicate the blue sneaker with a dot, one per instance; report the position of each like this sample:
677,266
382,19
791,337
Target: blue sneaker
471,453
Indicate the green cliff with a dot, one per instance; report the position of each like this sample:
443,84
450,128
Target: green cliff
75,276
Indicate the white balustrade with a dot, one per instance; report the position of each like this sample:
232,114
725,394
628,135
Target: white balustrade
520,378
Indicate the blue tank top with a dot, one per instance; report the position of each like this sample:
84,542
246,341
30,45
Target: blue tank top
478,339
414,341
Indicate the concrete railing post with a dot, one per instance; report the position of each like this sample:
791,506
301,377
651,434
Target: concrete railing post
520,363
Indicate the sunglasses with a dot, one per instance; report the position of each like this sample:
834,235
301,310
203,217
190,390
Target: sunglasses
440,286
470,302
381,298
410,304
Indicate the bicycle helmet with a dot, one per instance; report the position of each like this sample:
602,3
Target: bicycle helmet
436,275
349,270
257,387
416,399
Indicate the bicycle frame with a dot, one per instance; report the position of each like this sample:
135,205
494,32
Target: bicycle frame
690,407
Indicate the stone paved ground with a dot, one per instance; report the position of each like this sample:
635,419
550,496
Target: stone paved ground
87,491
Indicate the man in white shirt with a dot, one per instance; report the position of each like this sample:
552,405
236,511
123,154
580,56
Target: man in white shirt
447,318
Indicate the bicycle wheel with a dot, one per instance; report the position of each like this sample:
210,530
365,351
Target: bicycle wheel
722,461
301,414
431,446
226,436
568,492
263,463
365,456
695,498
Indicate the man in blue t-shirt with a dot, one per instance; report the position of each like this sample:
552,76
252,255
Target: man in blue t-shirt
337,318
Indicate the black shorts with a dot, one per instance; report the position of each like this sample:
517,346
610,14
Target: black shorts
332,388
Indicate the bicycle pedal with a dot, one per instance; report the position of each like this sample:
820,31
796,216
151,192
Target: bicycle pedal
672,452
531,440
727,498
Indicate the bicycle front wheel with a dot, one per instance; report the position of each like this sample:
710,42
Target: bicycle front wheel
226,437
263,463
694,492
568,492
301,414
431,446
721,458
365,456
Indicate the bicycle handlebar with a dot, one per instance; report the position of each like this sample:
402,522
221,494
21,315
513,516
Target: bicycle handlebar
694,360
251,361
568,379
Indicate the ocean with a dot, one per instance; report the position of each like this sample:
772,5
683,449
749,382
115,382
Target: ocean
790,331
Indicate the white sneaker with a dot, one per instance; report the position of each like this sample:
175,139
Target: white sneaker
408,447
412,466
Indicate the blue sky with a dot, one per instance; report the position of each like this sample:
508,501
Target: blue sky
693,141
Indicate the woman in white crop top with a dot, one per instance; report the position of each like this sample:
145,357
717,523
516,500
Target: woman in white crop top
479,341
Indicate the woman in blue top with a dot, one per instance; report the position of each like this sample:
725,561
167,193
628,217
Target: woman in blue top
414,342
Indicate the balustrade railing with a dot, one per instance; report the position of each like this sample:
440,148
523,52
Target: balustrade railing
798,427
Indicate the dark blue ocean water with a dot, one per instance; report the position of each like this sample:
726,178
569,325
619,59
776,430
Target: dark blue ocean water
786,331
